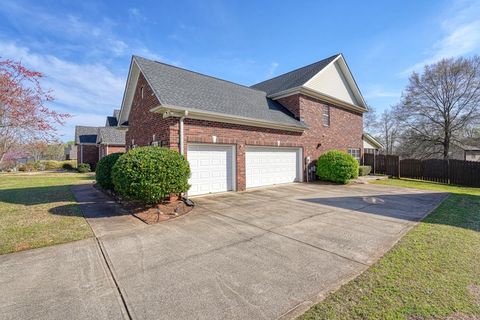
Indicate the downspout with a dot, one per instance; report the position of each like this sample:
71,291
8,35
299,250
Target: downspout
181,131
185,195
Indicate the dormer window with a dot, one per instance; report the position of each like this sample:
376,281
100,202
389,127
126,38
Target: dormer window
326,116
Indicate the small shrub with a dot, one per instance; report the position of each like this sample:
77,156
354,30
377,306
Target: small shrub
67,166
337,166
364,170
51,164
103,171
149,174
83,167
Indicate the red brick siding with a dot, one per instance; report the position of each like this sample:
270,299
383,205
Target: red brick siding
142,124
105,151
345,130
240,135
90,154
115,149
292,103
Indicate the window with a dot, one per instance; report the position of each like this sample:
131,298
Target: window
354,153
141,91
326,116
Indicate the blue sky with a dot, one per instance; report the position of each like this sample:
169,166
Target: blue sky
84,47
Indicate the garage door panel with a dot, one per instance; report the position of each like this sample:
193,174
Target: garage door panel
267,166
211,167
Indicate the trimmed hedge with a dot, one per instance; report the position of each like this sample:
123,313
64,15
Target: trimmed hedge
83,167
150,174
364,170
337,166
103,171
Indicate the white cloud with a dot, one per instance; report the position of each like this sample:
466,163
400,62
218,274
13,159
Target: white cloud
377,91
136,14
272,69
461,35
87,91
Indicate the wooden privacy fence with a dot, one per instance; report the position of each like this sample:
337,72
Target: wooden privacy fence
384,164
459,172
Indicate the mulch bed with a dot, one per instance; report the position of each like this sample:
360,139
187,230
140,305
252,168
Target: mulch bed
160,212
151,214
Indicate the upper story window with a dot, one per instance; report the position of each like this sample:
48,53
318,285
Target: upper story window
141,92
326,116
354,153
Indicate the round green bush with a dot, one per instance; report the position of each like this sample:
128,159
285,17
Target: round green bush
337,166
83,167
103,171
149,174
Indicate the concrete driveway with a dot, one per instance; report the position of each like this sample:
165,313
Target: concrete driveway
262,254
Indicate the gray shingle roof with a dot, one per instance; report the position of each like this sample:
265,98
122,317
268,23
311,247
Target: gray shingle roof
183,88
293,78
110,135
85,134
111,121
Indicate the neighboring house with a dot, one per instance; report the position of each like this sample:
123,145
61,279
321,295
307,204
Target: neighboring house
70,152
93,143
464,152
371,145
237,137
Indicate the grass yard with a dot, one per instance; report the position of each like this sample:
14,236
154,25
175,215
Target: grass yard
432,273
38,210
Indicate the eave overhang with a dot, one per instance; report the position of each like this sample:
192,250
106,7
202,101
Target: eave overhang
175,111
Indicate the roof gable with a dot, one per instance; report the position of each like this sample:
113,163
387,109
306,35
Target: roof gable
330,78
293,79
188,90
84,134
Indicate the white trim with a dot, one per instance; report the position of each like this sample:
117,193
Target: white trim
221,117
348,75
81,153
318,95
372,140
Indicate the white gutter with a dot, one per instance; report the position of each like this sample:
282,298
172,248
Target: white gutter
174,111
181,131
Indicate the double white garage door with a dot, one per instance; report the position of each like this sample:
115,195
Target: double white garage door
214,167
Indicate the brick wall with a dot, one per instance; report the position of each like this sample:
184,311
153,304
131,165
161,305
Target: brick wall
105,151
90,154
142,124
345,130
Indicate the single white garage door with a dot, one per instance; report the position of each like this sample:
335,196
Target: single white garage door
212,168
270,165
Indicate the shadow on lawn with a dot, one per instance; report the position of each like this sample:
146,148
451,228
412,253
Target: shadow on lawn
36,195
459,210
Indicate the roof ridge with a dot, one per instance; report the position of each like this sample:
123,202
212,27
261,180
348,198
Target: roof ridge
295,70
201,74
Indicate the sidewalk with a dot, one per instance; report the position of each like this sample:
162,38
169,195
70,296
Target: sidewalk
102,213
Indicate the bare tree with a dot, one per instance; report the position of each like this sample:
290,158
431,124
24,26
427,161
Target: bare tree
389,129
370,121
441,103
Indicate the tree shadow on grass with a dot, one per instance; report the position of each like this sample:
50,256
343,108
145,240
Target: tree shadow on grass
459,210
36,195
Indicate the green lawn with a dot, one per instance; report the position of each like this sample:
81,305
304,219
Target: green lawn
38,210
432,273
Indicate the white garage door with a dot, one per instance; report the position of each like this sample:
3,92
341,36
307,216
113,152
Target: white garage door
267,166
212,168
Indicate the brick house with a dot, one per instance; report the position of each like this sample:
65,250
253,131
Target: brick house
237,137
93,143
